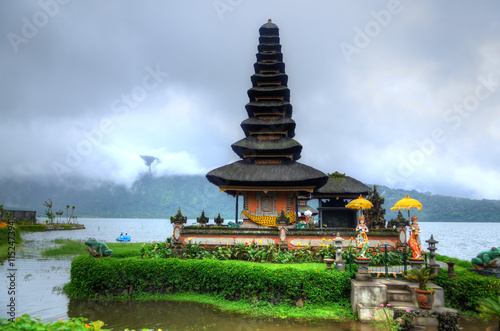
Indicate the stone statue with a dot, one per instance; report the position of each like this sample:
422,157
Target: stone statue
98,249
234,224
362,238
300,225
414,241
487,259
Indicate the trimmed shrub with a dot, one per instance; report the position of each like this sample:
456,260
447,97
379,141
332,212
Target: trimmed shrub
464,291
32,228
233,280
4,235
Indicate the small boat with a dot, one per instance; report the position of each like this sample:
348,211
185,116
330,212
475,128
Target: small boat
123,237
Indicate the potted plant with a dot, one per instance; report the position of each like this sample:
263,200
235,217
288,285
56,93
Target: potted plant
489,308
425,295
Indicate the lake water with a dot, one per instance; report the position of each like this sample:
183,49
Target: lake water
39,280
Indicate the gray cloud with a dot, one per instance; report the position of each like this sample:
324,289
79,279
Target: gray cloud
79,97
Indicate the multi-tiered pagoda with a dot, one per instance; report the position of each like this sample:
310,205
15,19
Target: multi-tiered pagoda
268,177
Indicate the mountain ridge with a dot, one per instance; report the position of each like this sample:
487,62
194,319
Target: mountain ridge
160,197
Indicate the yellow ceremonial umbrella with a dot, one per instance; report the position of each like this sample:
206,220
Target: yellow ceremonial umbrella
407,203
359,203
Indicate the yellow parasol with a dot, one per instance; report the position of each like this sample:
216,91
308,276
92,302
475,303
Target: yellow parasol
359,203
407,203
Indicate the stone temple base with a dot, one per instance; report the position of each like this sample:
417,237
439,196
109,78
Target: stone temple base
495,272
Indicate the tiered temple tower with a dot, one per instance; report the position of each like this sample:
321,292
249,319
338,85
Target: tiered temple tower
268,176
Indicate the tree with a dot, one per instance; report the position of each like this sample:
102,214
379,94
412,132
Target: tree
375,216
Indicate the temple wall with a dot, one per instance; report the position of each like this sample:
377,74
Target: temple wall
214,236
253,204
269,203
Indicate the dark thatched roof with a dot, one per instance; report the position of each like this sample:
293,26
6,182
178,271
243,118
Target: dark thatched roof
247,174
343,185
281,124
282,78
269,107
269,27
253,146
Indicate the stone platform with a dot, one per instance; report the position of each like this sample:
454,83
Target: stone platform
400,294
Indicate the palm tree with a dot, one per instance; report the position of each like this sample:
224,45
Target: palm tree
48,212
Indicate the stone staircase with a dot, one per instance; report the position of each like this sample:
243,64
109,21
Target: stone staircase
366,297
398,295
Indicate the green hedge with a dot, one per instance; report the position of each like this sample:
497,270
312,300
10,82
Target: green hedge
32,228
4,235
464,291
234,280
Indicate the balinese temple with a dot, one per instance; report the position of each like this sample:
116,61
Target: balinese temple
268,175
269,180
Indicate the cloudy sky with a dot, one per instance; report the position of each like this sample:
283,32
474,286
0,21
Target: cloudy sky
399,93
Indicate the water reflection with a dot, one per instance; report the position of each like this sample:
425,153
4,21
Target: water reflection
182,316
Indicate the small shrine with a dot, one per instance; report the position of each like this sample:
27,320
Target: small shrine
268,175
333,198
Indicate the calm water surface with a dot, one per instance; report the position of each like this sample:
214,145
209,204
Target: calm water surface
39,280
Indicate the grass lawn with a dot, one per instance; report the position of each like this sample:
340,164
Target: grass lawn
76,247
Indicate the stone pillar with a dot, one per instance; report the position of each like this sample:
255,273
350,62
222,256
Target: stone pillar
416,263
363,271
178,221
329,263
339,262
451,269
432,255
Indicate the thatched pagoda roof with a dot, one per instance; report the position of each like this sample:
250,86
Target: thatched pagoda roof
283,124
269,28
271,107
341,186
248,174
268,151
251,145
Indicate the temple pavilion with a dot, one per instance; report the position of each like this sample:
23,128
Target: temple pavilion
333,198
268,175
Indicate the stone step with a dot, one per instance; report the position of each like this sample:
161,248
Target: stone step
395,285
398,295
402,304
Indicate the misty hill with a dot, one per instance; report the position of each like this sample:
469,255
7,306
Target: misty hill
160,197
